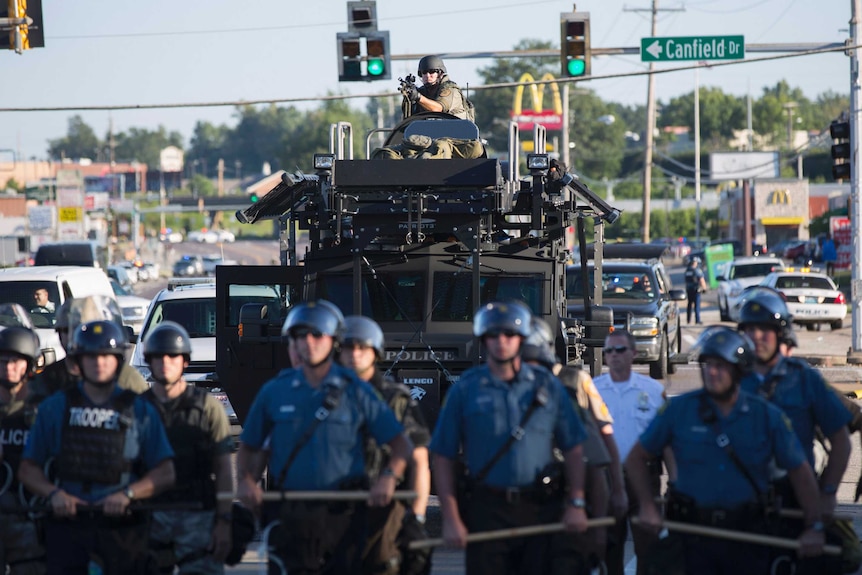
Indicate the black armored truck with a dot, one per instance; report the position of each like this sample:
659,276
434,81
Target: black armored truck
417,240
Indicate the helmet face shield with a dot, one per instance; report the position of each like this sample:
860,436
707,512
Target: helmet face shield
502,317
764,306
727,344
98,338
88,309
360,330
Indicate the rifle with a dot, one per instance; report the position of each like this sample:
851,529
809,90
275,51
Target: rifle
405,84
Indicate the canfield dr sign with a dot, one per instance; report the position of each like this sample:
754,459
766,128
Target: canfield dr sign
692,48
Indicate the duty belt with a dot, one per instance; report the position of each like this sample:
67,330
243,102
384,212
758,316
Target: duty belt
526,494
747,516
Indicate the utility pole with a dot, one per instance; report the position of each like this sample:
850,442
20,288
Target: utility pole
855,159
650,128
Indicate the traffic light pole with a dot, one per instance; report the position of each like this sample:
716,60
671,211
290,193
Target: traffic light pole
856,200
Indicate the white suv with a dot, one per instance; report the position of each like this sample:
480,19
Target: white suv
193,306
738,275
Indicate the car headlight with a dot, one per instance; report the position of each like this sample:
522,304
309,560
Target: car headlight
136,311
644,326
735,291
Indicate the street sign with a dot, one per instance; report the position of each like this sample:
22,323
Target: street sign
692,48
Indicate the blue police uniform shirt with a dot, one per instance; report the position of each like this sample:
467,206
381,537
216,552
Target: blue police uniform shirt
146,440
285,407
481,411
803,394
758,431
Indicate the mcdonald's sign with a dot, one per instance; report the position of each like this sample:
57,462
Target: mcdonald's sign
550,119
778,198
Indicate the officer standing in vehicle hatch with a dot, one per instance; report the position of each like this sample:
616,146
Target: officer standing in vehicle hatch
391,527
109,449
438,93
507,398
20,549
195,541
310,419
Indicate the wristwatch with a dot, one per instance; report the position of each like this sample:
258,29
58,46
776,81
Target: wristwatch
389,472
577,502
129,492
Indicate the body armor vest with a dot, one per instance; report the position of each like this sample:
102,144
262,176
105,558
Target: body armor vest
15,421
189,433
397,397
93,444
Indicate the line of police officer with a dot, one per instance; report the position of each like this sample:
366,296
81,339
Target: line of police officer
97,456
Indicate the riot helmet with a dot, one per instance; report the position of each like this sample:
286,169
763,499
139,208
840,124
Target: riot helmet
431,63
508,317
360,330
98,338
539,345
766,307
319,316
727,344
167,338
22,342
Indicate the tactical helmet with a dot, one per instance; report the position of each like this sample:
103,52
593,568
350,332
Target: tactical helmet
98,338
765,306
361,330
168,338
539,345
321,315
21,341
725,343
502,316
695,260
431,63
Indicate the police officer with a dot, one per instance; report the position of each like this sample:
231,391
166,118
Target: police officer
798,389
438,93
605,486
362,348
20,549
109,448
195,541
715,433
310,419
695,284
63,374
489,404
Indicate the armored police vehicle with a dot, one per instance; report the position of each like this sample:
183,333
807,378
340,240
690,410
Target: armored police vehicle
417,238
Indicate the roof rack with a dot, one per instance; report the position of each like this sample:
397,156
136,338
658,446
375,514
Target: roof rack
176,282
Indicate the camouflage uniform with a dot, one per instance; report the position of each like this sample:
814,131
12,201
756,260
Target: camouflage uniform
20,548
446,93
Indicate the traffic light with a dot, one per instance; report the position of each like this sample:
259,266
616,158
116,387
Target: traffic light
254,197
362,17
22,37
841,150
575,50
363,57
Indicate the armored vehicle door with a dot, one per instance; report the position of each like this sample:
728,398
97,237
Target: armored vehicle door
252,303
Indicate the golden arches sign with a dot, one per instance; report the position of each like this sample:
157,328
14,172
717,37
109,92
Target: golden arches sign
779,197
551,119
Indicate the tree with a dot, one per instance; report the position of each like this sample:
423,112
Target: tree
80,142
261,135
598,137
311,135
145,146
770,115
208,144
720,114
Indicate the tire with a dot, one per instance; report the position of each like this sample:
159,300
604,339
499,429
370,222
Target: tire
658,368
837,324
810,326
723,312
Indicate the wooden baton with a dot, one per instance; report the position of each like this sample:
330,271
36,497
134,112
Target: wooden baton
512,533
318,495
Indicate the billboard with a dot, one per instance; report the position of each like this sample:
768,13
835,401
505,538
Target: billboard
743,165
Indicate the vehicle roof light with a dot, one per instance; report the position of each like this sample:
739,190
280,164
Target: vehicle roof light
324,161
538,162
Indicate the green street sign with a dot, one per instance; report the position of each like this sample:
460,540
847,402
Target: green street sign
692,48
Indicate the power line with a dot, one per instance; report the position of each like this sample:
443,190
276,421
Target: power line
235,103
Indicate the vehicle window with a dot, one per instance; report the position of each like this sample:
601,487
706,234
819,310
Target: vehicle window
662,280
23,293
118,289
241,294
803,282
197,315
632,286
453,293
753,270
386,296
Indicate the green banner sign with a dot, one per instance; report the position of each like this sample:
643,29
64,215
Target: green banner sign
692,48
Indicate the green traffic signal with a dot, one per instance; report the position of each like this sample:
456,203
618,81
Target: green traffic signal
575,67
254,198
376,66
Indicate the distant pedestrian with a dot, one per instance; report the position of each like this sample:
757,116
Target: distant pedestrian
829,251
695,284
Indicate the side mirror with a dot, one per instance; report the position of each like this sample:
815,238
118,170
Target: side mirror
46,358
253,322
130,333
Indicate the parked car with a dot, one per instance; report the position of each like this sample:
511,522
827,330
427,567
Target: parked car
812,298
211,261
87,254
739,274
189,265
637,287
120,275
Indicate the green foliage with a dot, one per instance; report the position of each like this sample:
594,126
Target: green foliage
80,142
664,223
145,146
200,185
720,114
12,184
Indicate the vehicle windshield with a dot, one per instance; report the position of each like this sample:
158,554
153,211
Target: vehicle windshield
196,315
41,310
812,282
626,286
118,289
753,270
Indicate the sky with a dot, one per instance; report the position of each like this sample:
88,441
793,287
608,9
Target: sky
195,51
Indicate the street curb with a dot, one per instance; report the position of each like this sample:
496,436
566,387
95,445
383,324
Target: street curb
824,360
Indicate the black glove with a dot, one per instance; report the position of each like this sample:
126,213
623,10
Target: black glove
412,93
557,170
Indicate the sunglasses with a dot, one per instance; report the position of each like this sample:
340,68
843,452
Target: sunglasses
617,349
497,333
303,332
423,72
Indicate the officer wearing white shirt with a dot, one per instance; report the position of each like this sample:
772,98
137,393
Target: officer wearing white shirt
633,400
